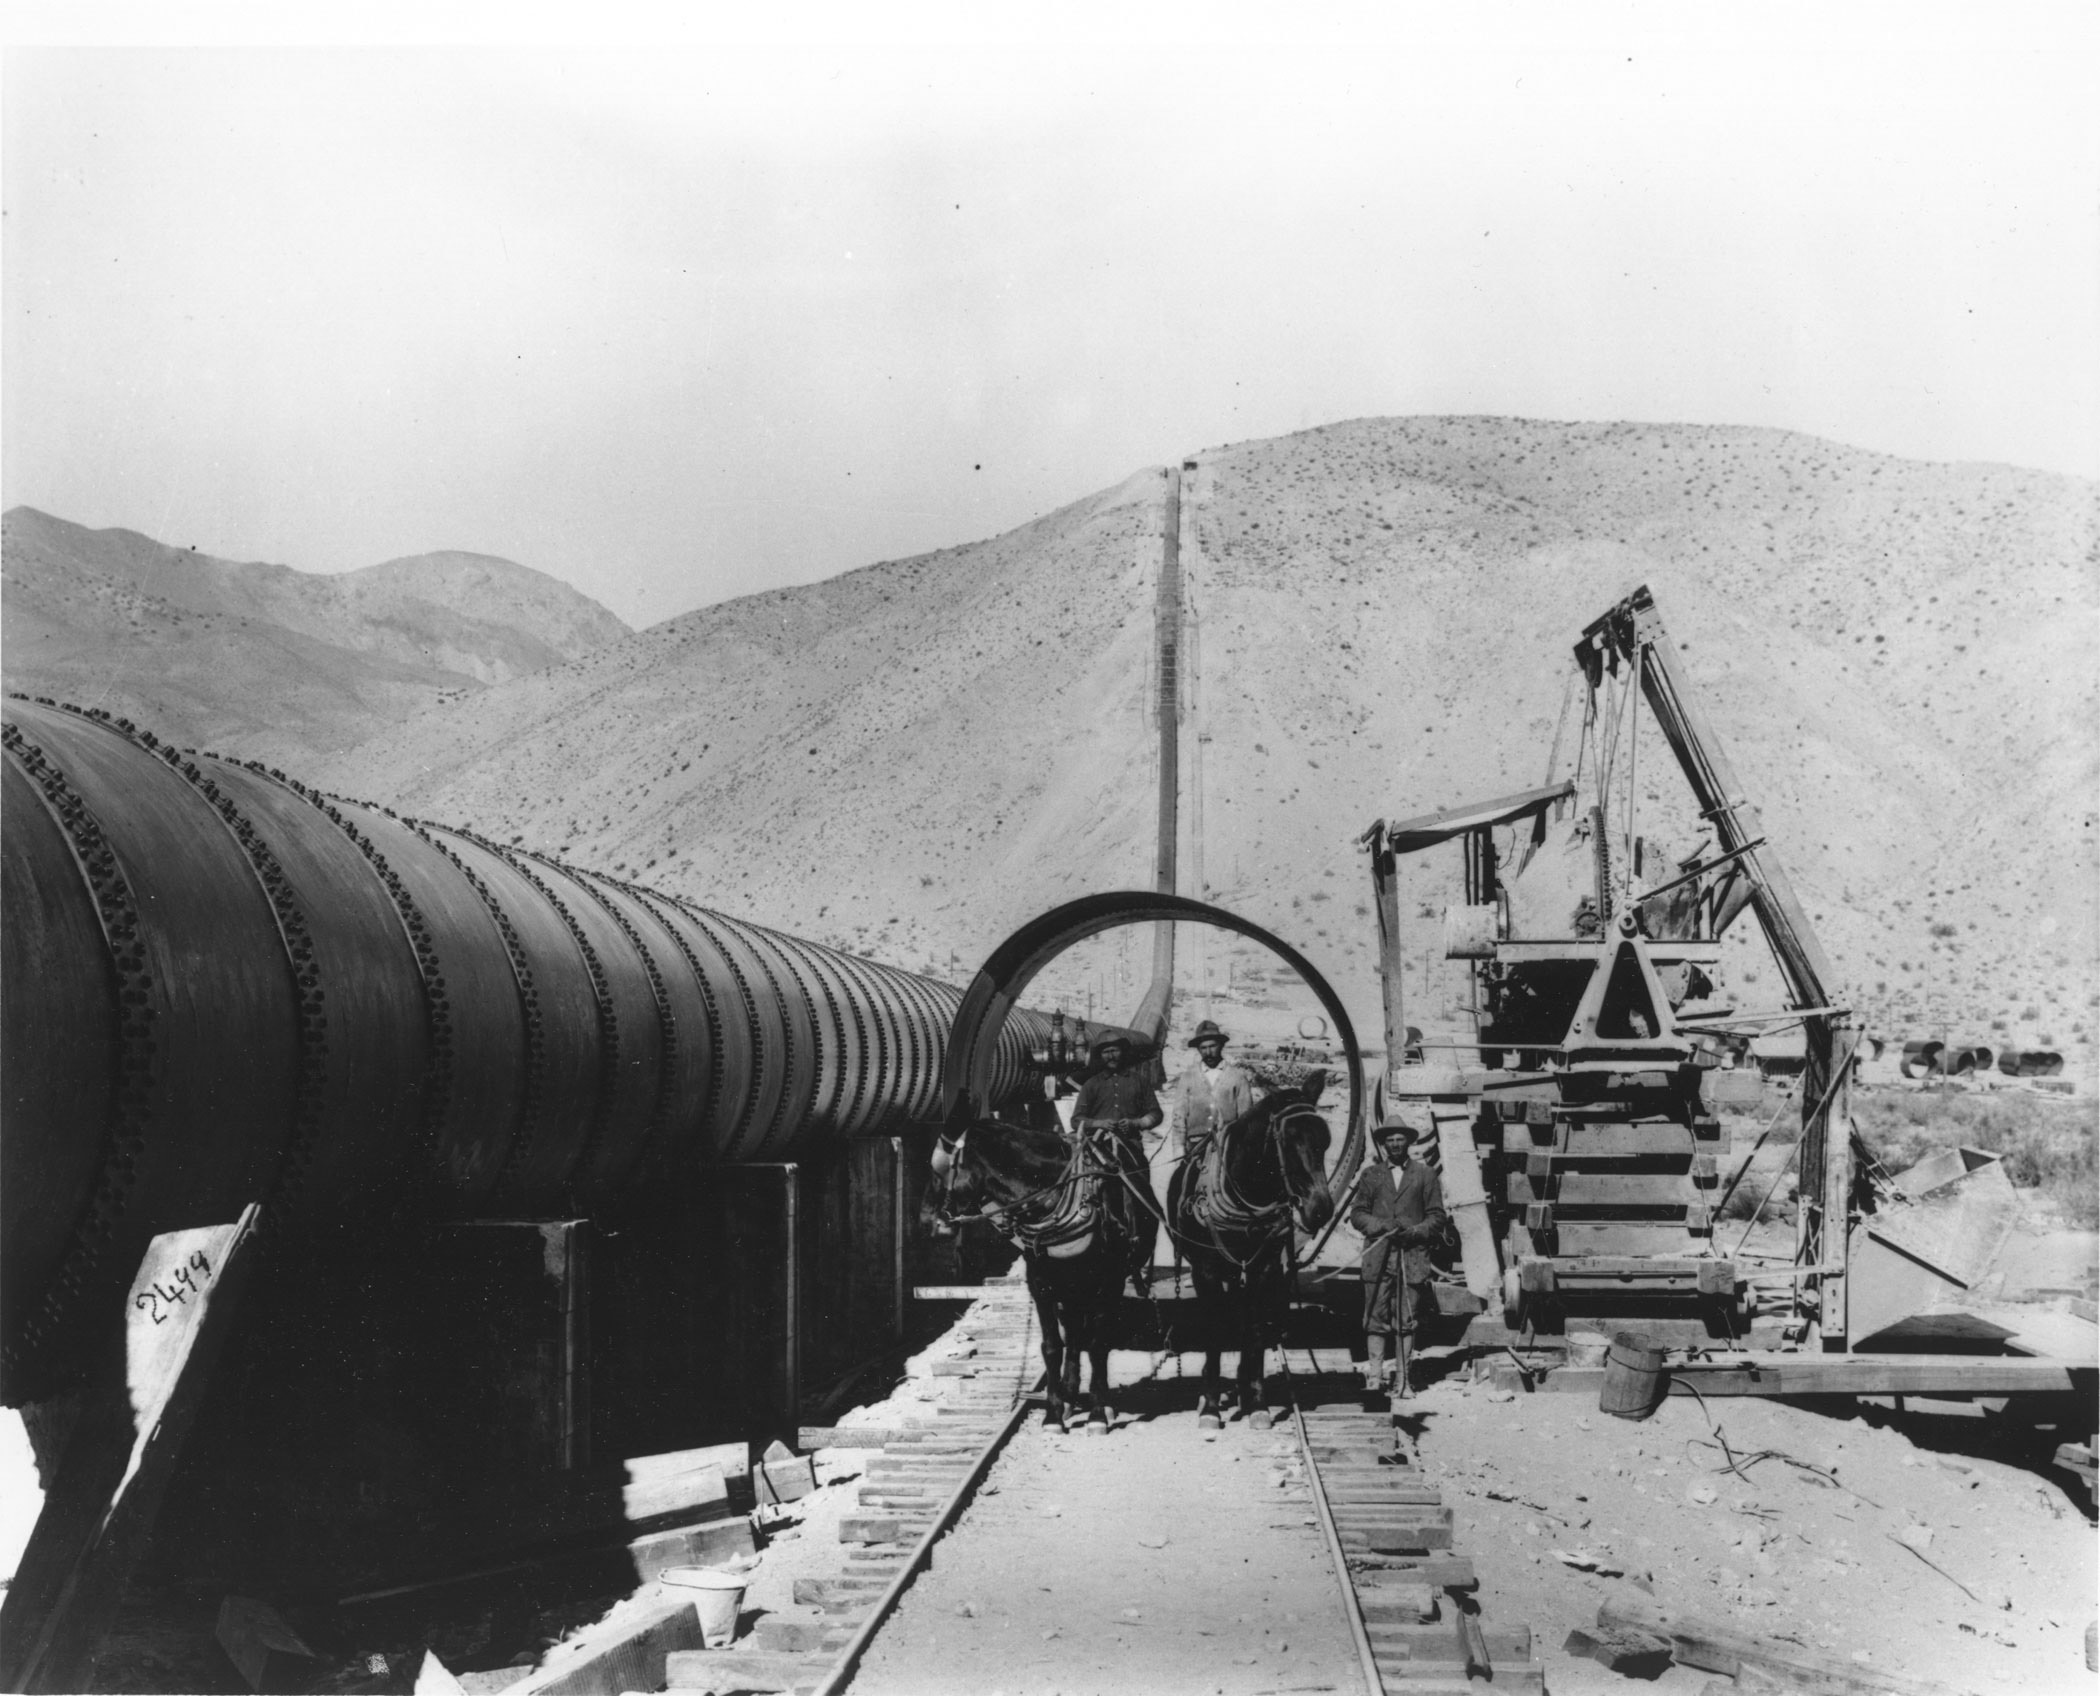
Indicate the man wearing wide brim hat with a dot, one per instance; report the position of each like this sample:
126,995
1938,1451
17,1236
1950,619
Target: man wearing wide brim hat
1118,1100
1399,1213
1210,1094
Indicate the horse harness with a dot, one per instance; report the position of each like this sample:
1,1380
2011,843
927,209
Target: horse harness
1220,1207
1070,1215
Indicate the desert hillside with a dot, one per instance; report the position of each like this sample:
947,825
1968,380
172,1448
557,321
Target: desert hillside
278,663
912,758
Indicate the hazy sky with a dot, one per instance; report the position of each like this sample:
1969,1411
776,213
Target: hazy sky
679,323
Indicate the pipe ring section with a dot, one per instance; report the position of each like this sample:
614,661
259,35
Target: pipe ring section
222,985
971,1067
198,1008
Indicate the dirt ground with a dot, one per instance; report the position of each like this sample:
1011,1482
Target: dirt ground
1779,1551
1154,1559
1241,1570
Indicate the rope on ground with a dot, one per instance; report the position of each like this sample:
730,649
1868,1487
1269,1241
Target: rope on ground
1740,1464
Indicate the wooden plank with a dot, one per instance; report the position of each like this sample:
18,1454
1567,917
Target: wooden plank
1374,1573
1605,1140
1389,1513
1396,1540
100,1510
782,1476
674,1492
1505,1643
1858,1375
1635,1266
876,1528
1633,1654
1400,1604
731,1460
691,1545
741,1669
1585,1237
809,1438
1716,1647
1604,1189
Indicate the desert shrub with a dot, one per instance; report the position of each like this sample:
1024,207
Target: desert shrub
2047,1144
1749,1196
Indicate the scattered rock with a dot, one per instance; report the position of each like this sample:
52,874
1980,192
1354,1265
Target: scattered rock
1703,1495
1918,1537
1152,1540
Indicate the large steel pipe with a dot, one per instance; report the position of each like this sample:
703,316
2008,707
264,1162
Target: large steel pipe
221,987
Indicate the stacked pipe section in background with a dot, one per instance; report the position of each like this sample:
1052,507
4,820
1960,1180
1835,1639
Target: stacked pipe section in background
222,986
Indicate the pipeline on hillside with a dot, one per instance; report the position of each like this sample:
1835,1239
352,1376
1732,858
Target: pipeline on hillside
222,986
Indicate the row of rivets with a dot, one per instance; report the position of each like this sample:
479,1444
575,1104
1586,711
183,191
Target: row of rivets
138,1082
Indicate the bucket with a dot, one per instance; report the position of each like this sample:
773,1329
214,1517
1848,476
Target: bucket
716,1597
1633,1377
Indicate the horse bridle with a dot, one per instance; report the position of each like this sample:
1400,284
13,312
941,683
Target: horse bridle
1001,1217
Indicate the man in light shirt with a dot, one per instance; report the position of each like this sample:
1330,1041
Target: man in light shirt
1209,1095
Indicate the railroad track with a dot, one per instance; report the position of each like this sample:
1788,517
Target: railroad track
1410,1592
914,1491
1400,1587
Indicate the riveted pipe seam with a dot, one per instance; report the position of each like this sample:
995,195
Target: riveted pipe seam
316,987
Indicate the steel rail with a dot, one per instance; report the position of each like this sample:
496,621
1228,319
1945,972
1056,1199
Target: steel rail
1374,1681
848,1663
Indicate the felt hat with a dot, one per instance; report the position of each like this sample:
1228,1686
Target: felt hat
1207,1030
1101,1044
1406,1133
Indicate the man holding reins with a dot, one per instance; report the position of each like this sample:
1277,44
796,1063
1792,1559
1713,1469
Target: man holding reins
1117,1104
1399,1213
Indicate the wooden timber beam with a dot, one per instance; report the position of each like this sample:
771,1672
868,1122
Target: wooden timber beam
1855,1375
1632,632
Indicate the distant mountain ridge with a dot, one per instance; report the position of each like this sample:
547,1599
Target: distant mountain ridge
909,760
273,660
913,758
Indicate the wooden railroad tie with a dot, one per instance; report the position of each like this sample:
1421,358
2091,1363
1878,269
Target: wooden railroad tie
1397,1538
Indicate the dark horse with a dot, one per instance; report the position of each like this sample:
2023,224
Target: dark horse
1077,1216
1231,1205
